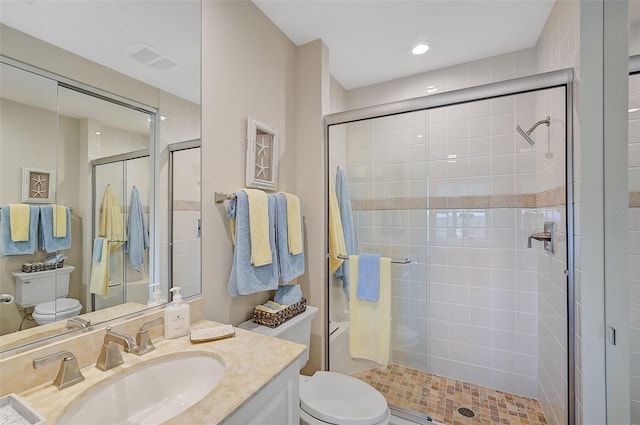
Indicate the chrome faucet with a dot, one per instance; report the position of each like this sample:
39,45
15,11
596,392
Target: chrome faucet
110,356
69,372
77,323
143,339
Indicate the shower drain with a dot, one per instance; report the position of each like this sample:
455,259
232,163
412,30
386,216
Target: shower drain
466,412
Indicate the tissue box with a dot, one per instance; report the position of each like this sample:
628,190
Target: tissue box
277,318
14,410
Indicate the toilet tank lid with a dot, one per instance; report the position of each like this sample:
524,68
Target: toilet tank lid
58,306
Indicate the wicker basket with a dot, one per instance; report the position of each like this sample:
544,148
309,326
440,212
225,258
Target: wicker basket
277,318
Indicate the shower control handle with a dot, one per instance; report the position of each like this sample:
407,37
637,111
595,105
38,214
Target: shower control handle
542,236
548,236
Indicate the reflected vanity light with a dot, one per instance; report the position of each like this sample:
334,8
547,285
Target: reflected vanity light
420,49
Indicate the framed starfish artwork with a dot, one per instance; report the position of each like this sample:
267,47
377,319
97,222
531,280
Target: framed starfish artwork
38,185
262,156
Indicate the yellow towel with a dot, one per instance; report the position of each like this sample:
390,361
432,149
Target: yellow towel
294,225
19,216
259,227
336,234
370,321
99,283
111,223
59,221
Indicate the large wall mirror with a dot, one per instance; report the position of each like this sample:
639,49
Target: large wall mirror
98,113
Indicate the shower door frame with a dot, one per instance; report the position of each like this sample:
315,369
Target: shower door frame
563,78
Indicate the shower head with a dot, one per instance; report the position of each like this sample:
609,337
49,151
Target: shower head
527,134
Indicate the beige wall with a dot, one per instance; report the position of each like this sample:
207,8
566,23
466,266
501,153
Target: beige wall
248,69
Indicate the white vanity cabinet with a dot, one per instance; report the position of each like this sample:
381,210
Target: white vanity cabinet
278,402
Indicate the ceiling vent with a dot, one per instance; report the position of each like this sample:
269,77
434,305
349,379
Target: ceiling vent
149,56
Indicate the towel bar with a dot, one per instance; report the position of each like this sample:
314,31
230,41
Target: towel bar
404,261
220,197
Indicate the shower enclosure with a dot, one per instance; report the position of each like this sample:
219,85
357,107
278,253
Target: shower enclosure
120,174
454,183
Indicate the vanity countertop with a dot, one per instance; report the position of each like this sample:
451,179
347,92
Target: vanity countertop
251,361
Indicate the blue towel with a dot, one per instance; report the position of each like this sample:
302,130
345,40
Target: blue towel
137,231
245,278
289,266
97,249
55,259
19,248
368,277
288,294
47,241
348,228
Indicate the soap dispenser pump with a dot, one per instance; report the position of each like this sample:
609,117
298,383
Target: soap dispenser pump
176,316
156,296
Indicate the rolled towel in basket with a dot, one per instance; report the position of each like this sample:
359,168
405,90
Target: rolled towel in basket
288,294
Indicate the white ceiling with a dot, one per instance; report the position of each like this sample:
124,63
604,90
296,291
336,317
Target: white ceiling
370,41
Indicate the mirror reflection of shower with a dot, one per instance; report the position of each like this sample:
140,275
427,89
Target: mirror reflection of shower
527,135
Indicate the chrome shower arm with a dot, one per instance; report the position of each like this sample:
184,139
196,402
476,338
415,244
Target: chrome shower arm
546,121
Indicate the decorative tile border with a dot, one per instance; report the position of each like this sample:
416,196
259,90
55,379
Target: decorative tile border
186,205
634,199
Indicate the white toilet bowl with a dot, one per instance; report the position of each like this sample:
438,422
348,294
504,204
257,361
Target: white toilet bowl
328,397
53,311
334,398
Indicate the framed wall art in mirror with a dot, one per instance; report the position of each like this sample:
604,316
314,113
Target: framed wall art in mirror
38,185
262,155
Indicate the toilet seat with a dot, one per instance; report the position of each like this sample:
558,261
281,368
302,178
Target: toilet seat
61,308
335,398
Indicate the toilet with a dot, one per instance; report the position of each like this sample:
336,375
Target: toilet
47,291
328,397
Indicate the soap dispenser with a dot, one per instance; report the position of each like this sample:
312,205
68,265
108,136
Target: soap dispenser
176,316
156,296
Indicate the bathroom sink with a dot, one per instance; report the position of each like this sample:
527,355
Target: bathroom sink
147,394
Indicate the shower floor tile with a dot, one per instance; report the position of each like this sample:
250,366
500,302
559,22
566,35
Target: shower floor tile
441,397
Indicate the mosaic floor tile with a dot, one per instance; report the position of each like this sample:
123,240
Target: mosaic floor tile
441,397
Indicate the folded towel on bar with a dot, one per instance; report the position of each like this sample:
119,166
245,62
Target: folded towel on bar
259,227
27,247
47,240
20,216
368,277
294,223
336,235
137,231
288,294
247,278
370,321
348,229
100,270
97,249
59,221
290,266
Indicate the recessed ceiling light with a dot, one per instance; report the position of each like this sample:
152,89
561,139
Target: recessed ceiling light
420,49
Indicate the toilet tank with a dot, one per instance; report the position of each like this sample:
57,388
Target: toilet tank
297,329
40,287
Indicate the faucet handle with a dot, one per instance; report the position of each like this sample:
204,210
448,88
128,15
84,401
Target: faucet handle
69,372
143,339
77,322
109,357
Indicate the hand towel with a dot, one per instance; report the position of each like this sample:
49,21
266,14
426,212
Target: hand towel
259,227
348,228
24,247
294,223
47,240
99,283
290,266
368,277
288,294
137,231
245,277
336,235
97,249
370,321
20,215
59,221
110,224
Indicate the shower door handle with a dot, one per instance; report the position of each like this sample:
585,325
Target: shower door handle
198,228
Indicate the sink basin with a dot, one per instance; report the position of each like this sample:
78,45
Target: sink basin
151,393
